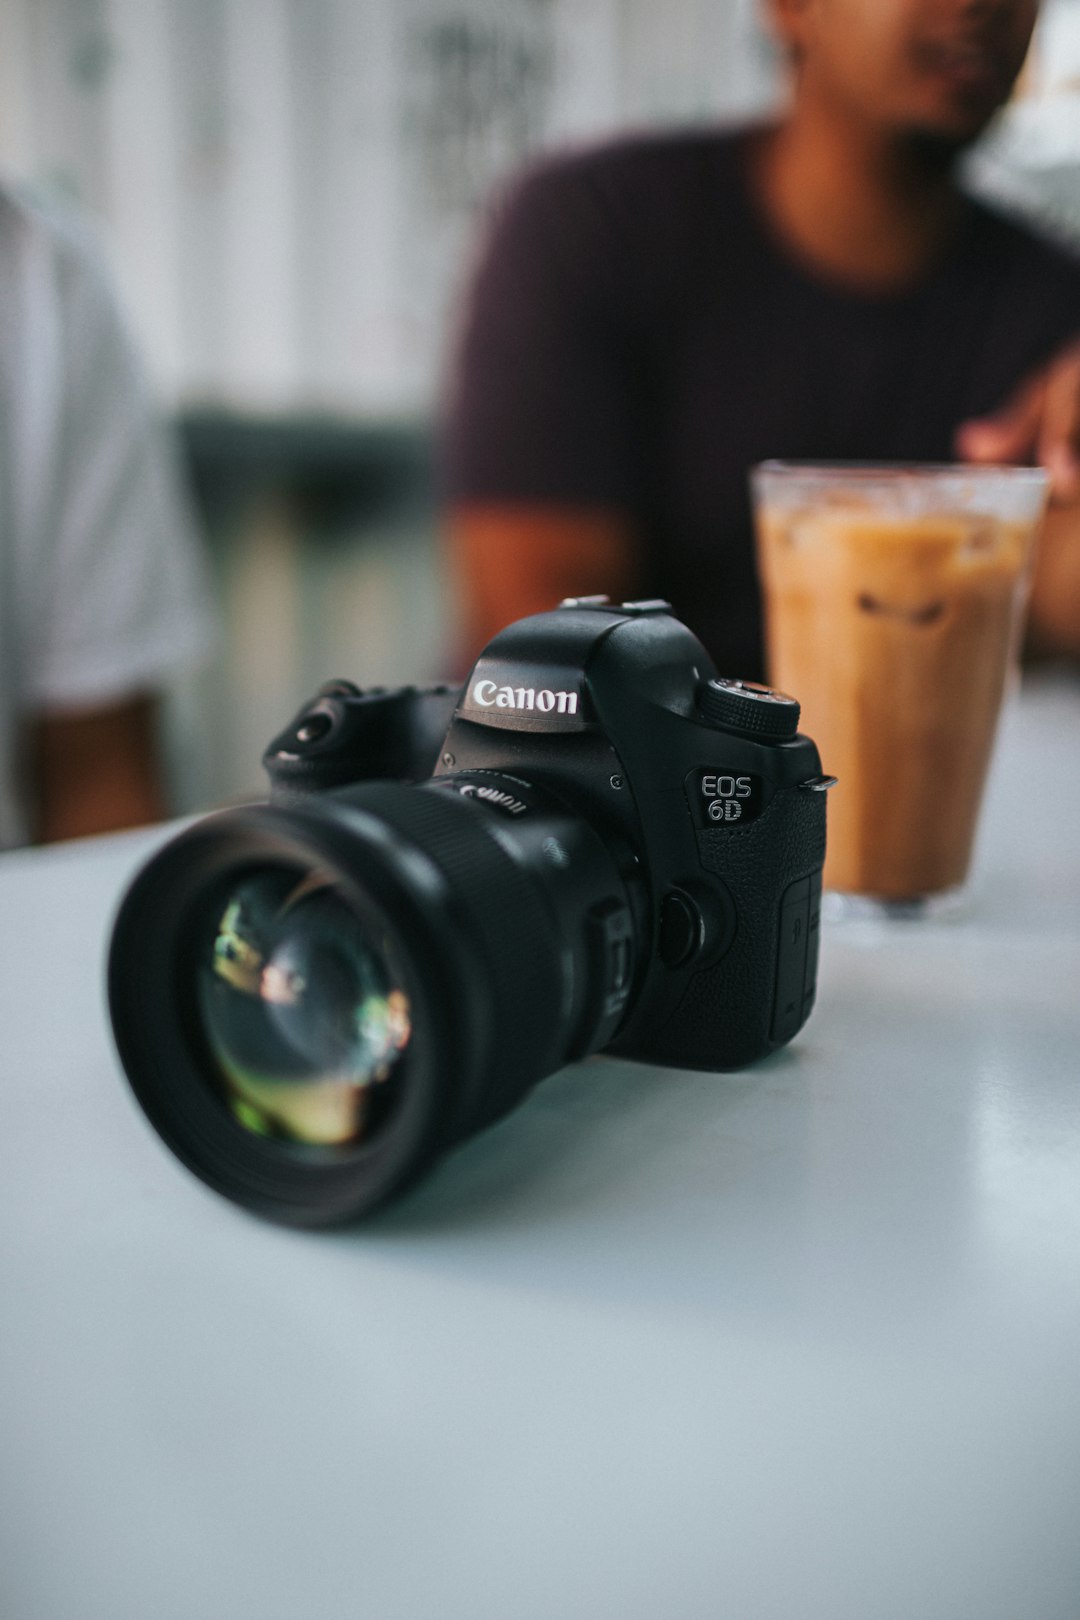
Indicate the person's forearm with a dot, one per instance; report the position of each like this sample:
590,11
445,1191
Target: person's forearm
95,772
512,560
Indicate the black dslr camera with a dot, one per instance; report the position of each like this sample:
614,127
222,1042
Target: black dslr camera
316,998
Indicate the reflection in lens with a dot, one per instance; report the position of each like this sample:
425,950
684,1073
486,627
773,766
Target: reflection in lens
303,1011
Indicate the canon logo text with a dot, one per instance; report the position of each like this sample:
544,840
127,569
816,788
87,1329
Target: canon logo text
524,698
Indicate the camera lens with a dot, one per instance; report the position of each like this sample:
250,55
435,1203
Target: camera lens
315,1000
305,1017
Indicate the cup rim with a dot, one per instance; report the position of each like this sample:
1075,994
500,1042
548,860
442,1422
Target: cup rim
868,471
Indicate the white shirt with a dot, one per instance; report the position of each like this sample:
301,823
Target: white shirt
102,589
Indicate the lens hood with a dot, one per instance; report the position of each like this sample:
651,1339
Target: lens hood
419,900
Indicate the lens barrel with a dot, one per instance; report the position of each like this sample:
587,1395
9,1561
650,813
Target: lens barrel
314,1001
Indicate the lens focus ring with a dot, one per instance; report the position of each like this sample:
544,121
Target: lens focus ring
503,916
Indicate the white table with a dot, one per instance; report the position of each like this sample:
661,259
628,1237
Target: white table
800,1342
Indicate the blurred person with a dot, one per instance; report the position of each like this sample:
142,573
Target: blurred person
102,595
652,317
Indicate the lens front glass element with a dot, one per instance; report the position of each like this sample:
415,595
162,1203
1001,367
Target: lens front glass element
303,1010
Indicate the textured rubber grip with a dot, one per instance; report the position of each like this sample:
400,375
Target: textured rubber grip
725,1018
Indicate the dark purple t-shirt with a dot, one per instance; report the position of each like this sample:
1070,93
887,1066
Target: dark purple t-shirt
637,337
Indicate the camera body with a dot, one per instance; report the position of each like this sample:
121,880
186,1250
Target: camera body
595,845
611,717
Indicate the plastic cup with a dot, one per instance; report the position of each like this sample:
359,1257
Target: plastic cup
894,600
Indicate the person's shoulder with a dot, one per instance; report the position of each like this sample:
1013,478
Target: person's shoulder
1031,254
24,221
645,155
630,168
51,241
34,214
645,198
21,208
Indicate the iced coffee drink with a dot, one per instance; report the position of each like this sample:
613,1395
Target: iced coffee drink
894,600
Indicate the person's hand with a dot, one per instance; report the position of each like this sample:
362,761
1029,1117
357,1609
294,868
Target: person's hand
1040,422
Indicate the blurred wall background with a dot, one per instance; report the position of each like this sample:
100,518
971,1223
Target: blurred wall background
290,192
289,186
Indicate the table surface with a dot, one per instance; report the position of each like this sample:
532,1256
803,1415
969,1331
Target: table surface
801,1341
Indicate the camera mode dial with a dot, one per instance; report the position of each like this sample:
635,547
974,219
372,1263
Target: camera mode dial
744,706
